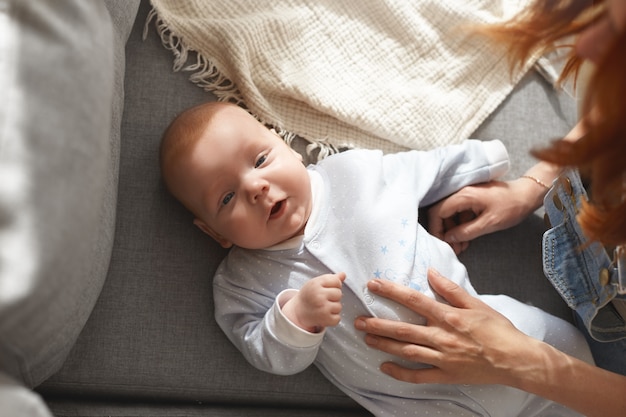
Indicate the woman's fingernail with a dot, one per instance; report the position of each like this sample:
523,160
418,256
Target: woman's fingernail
359,324
374,285
385,368
371,340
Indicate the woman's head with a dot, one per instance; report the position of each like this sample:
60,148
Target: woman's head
593,42
596,31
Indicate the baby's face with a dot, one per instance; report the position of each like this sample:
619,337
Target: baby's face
247,186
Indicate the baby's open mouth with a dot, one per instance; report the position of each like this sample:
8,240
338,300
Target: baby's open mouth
276,208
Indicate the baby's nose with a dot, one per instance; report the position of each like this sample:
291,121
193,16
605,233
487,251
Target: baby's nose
256,188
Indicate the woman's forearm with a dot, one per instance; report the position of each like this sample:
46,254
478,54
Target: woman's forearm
585,388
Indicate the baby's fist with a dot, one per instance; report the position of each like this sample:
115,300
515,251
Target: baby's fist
318,303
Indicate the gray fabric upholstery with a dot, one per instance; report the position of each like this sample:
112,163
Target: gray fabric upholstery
59,174
90,408
151,346
18,401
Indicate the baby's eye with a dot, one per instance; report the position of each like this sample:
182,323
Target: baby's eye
260,161
227,198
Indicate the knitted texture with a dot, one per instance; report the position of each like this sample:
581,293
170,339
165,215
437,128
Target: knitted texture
384,74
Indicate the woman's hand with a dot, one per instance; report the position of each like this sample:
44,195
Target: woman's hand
480,209
466,342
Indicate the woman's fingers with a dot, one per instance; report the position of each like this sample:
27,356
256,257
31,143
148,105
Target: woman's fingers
414,300
415,376
389,335
421,303
408,348
461,341
450,291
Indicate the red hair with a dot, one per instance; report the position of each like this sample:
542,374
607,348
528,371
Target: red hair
600,155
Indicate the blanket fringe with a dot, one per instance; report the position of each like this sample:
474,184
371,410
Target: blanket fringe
204,73
207,76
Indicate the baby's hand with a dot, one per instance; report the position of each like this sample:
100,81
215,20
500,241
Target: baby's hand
317,304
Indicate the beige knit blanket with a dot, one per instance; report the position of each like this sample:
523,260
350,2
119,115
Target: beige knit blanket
385,74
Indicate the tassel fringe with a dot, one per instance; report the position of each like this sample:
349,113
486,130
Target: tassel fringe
206,76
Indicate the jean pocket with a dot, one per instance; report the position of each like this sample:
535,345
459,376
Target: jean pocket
570,265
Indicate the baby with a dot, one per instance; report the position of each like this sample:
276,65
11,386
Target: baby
306,240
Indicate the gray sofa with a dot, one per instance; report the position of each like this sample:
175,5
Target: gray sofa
107,307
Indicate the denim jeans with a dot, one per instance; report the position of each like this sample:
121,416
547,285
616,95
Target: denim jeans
607,355
583,273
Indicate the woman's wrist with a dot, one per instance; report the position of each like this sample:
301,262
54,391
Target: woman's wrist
537,367
539,180
555,375
536,181
539,361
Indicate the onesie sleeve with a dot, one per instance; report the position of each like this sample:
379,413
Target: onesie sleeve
497,158
437,173
252,321
286,330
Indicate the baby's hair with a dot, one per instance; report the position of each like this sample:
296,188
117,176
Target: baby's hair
185,130
180,137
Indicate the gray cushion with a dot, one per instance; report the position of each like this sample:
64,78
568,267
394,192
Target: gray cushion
18,401
121,408
59,176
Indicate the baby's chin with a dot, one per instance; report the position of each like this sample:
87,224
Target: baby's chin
282,239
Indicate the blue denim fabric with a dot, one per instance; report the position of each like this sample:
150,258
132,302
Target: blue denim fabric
607,355
582,273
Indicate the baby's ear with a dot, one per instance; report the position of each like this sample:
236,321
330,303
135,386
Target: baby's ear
225,243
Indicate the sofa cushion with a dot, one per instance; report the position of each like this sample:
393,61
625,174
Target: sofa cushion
18,401
58,164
